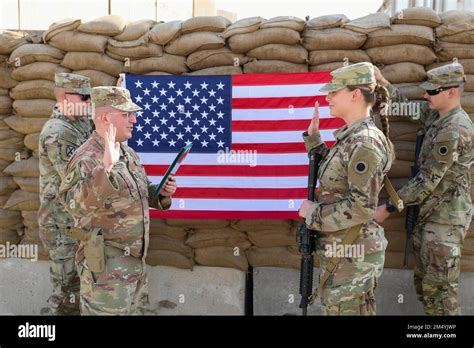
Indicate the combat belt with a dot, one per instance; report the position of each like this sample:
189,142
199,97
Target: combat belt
351,237
94,246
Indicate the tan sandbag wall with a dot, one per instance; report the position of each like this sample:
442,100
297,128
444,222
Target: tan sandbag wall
404,46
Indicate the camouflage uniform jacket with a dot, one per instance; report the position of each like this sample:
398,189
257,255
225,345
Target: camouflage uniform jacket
59,138
117,203
442,186
350,179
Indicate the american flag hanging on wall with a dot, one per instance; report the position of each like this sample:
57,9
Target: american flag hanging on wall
248,159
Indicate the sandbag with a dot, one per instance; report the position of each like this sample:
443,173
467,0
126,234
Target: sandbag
455,22
396,240
468,65
401,53
242,43
242,26
221,257
32,141
273,257
159,227
293,54
3,199
273,66
331,56
135,29
59,27
27,184
30,53
157,73
28,167
10,137
167,63
9,236
218,237
417,16
134,53
168,258
327,66
333,39
205,23
37,108
186,44
192,223
214,58
288,22
110,25
129,44
11,153
98,78
400,169
9,219
446,51
38,71
87,60
219,70
261,225
79,42
468,247
327,22
163,33
411,91
30,219
6,80
158,242
469,85
271,238
4,92
11,40
404,72
466,37
369,23
405,150
34,89
20,200
401,34
25,126
467,101
7,185
5,105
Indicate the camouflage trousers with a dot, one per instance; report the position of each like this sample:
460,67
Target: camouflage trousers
62,269
121,289
437,252
351,290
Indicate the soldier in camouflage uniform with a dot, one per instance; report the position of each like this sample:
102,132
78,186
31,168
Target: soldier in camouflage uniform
68,128
350,178
107,191
441,189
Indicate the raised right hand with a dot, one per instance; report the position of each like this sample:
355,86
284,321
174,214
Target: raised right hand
314,125
112,148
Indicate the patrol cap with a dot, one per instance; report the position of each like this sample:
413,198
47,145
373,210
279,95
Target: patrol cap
74,82
351,75
447,75
116,97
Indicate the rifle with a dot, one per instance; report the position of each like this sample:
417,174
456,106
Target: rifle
307,238
413,210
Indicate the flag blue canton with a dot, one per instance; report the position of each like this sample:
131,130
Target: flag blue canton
179,110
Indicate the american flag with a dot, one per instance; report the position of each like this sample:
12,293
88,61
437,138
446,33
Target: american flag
248,160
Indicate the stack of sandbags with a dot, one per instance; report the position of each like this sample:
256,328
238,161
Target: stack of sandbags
271,46
85,44
167,246
456,41
330,46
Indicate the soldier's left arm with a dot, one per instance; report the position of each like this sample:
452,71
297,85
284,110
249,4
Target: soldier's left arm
441,158
365,178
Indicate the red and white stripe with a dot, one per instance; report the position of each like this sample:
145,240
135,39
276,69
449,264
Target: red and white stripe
269,113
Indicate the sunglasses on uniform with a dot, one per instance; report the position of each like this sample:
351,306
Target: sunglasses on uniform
84,97
439,90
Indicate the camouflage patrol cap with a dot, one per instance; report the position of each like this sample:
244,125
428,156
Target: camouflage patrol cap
447,75
77,83
116,97
351,75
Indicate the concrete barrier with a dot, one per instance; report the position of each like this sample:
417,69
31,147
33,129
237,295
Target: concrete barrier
25,287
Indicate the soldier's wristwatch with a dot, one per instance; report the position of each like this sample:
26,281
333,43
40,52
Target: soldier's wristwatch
390,207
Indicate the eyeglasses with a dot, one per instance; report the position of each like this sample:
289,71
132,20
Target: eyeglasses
439,90
127,115
84,97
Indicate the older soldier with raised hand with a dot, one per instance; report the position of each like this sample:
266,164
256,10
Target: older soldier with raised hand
68,128
441,189
107,191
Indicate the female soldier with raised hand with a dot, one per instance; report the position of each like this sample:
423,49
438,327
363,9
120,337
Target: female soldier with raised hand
350,178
